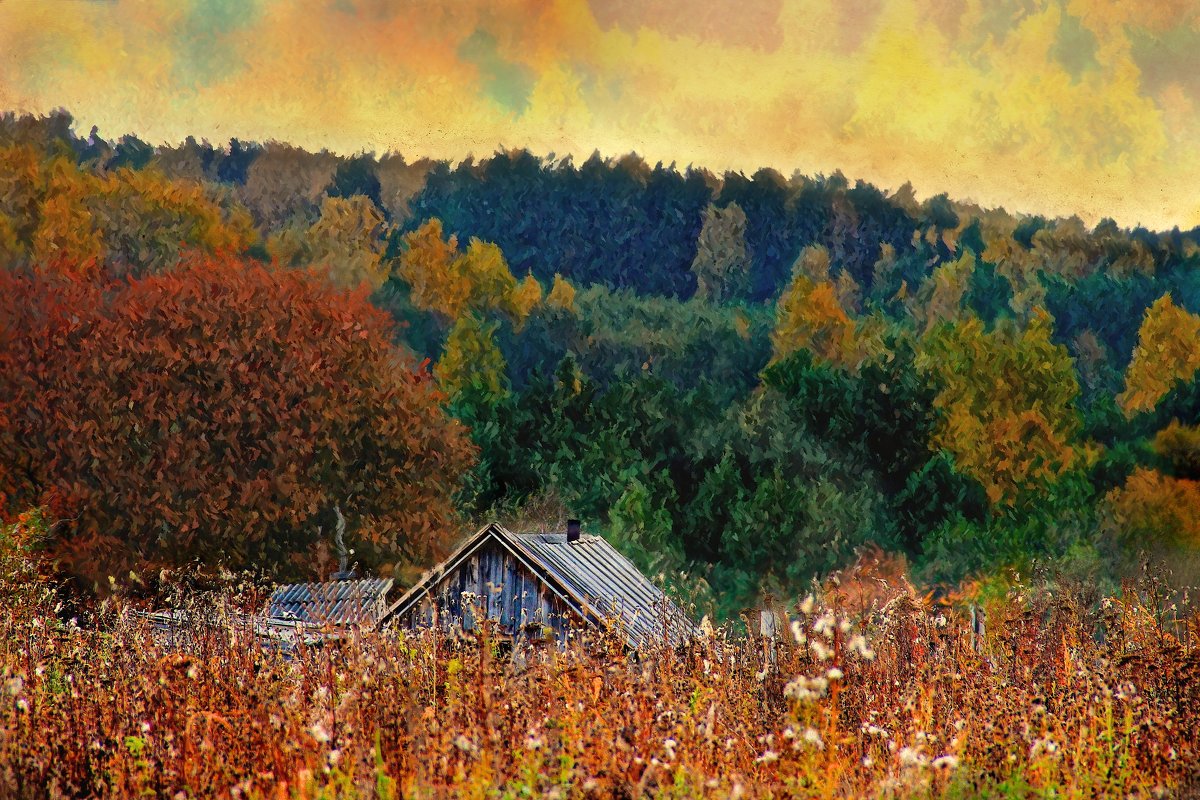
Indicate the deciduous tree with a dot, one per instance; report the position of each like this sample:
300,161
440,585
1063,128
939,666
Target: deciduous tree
1167,352
722,264
1006,403
215,413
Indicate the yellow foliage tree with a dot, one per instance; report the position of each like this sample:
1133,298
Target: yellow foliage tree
939,298
490,282
811,315
448,282
22,188
471,357
525,298
116,224
10,244
1168,350
346,243
562,295
812,263
427,266
1006,403
1179,446
66,233
722,264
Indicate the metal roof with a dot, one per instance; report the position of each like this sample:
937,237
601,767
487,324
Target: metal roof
589,574
599,575
361,602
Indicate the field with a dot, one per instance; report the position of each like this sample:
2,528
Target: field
867,331
873,694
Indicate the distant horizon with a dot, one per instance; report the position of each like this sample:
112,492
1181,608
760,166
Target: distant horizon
1087,109
82,130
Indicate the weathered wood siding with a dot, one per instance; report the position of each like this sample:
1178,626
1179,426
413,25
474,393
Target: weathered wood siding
493,582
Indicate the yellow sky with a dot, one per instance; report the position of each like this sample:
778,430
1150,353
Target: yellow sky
1080,106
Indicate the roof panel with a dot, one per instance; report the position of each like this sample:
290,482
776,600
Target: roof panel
355,602
606,580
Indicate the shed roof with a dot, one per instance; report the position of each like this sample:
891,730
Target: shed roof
360,602
589,574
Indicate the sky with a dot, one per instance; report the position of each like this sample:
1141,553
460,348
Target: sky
1088,107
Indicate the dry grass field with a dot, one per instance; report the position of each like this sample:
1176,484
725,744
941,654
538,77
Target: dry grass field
872,694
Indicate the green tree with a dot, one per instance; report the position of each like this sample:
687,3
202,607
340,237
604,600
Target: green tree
471,357
641,524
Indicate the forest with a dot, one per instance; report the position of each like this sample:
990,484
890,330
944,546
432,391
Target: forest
743,382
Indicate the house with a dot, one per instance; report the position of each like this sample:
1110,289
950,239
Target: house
541,584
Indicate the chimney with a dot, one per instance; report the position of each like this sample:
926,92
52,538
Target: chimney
572,530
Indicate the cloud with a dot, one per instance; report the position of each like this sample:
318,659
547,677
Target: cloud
204,35
507,82
1071,106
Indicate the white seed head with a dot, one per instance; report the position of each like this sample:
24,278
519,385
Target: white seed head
946,762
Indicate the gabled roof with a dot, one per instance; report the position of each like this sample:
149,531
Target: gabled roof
589,575
361,602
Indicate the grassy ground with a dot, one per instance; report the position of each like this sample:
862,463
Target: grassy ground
1062,698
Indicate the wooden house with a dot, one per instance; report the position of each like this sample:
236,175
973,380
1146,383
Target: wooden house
542,585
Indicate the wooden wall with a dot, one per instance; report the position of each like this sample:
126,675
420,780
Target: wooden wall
492,582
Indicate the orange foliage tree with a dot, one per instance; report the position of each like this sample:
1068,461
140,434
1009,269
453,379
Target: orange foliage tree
1153,509
219,413
810,315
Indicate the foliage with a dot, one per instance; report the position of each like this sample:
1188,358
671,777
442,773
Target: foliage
1154,510
111,225
722,265
357,177
448,282
345,243
471,357
1006,404
182,416
811,316
1168,351
640,524
740,377
543,215
562,294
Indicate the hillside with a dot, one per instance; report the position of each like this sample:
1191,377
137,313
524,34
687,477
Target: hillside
740,379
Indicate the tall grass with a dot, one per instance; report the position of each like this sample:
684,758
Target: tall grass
1062,698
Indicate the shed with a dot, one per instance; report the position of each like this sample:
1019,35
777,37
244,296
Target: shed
531,583
307,613
338,602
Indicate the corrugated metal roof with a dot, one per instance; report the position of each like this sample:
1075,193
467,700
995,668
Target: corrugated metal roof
361,602
600,576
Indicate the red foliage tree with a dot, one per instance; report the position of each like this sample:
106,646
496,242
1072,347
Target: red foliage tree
219,412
